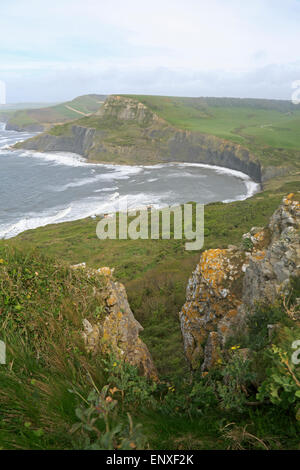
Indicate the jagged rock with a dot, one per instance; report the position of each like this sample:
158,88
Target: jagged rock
269,269
127,109
228,283
118,332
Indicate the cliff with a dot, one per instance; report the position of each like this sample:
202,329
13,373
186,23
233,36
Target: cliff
125,130
78,140
227,284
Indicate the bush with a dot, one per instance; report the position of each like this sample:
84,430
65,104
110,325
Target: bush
100,426
234,390
131,388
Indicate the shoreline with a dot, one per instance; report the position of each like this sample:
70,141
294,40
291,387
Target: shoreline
72,159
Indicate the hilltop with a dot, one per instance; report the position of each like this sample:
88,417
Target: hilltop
43,118
258,137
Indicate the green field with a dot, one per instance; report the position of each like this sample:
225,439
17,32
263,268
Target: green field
272,123
269,128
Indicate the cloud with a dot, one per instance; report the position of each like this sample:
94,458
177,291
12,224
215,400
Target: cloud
233,48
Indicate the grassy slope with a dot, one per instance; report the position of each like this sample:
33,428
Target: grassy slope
49,374
42,305
8,110
260,125
59,113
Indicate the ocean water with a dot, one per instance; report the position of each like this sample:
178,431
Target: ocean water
37,189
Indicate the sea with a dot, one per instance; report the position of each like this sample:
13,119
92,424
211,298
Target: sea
37,188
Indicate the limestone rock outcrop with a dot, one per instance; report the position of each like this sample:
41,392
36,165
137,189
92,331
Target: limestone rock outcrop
270,268
117,331
227,284
127,109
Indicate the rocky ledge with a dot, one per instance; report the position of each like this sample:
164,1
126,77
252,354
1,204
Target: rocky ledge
227,284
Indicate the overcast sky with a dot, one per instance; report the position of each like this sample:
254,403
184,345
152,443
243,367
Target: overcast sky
56,50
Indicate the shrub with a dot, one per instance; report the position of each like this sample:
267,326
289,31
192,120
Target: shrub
234,390
282,383
132,388
100,426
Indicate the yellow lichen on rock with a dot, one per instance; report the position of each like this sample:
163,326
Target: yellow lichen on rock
105,271
118,331
227,283
208,302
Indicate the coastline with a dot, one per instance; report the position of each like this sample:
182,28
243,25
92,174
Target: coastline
72,159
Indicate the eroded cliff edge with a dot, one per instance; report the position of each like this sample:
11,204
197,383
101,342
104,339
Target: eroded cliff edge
228,283
118,331
126,131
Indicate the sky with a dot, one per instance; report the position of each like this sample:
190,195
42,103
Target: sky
55,50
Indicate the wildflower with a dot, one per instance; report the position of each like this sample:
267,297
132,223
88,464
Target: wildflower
108,399
114,364
233,348
1,261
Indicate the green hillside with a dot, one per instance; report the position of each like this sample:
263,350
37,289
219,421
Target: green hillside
270,128
44,118
8,110
270,122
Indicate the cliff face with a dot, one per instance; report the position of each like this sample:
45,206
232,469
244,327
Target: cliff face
127,131
200,148
228,283
78,140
